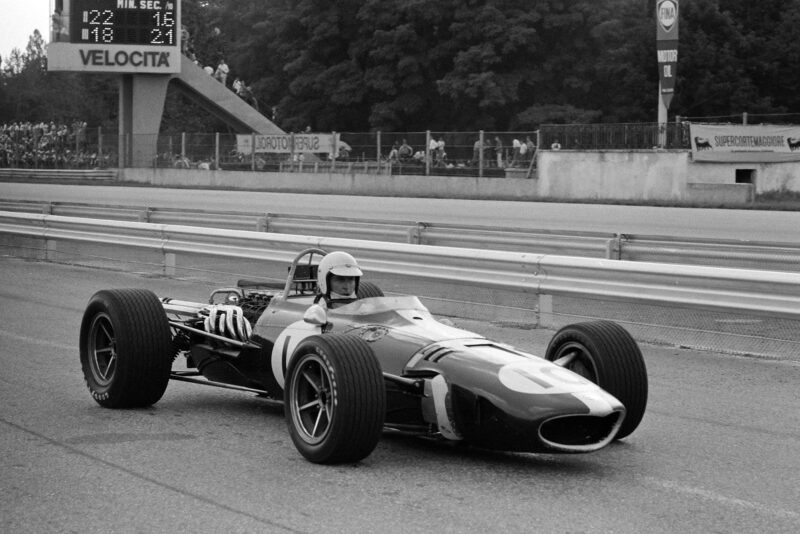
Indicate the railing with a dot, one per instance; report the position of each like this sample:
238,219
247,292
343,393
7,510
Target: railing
771,256
763,306
629,136
774,293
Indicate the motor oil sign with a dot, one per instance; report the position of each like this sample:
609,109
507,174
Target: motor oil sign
667,47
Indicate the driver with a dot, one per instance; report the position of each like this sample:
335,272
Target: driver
338,275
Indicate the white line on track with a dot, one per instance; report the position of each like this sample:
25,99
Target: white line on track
732,502
37,341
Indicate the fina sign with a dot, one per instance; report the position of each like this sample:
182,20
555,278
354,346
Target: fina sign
667,14
667,47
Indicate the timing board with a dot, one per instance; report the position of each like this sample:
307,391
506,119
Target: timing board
125,36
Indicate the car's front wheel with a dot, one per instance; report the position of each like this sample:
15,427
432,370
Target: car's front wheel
335,399
606,354
126,348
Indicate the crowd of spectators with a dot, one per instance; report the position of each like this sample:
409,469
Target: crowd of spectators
48,145
492,152
220,71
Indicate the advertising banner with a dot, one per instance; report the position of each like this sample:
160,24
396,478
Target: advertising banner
743,143
667,47
286,143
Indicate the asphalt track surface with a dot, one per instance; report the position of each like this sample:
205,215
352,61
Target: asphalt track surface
753,225
716,451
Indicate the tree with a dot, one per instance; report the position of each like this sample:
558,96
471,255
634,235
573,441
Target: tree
398,65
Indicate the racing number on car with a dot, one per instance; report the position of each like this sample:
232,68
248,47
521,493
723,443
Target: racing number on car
284,347
541,378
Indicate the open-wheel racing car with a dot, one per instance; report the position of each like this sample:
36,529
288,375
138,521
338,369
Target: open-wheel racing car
344,374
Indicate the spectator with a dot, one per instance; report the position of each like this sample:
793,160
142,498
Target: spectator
477,147
523,152
221,74
516,151
556,145
531,145
185,39
432,146
342,151
441,155
498,151
394,153
405,151
209,70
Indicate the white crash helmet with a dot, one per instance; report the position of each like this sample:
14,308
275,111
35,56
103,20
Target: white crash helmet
339,263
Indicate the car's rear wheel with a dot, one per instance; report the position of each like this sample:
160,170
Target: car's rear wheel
605,353
126,348
335,399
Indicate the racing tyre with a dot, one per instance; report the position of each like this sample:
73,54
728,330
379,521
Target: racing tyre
335,399
606,354
368,290
126,348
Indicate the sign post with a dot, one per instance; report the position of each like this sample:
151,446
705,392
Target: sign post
667,53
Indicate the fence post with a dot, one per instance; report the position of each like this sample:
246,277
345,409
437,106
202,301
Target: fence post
216,151
253,151
482,139
335,151
744,118
427,153
292,153
378,155
100,146
122,148
614,247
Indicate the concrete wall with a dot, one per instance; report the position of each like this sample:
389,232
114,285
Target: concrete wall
341,183
612,175
644,175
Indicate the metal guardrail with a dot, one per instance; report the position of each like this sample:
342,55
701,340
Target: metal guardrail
762,293
662,249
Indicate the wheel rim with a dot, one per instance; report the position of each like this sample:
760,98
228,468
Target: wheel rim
312,400
575,357
102,350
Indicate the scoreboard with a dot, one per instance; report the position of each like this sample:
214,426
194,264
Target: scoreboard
127,36
135,22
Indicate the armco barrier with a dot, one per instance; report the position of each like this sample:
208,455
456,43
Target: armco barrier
661,249
762,293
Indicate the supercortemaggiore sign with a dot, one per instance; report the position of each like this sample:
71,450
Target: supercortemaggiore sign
744,143
126,36
286,143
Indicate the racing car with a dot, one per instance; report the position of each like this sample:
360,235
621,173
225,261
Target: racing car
344,374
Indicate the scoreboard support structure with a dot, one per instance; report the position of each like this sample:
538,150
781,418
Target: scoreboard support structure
141,107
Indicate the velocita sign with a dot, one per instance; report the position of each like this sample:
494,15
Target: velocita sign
127,36
667,46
